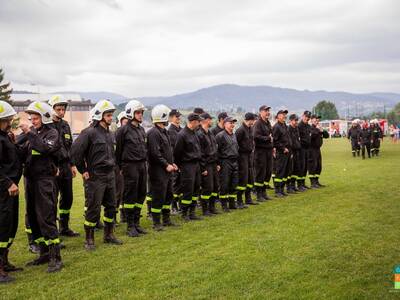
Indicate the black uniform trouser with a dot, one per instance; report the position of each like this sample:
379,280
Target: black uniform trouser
263,161
354,146
8,217
100,190
161,189
176,187
64,188
294,165
228,178
209,183
246,176
314,163
190,182
41,200
303,163
135,180
282,167
119,188
376,144
366,146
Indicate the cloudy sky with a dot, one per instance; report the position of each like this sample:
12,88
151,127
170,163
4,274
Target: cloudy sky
165,47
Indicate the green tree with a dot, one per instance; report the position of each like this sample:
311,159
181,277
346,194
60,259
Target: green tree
394,115
326,109
5,88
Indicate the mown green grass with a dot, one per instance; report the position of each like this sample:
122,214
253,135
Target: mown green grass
338,242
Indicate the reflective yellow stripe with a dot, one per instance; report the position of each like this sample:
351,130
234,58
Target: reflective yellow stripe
63,211
50,242
232,196
108,220
316,175
138,205
278,180
155,210
28,230
205,197
284,179
166,207
258,184
39,240
67,136
121,206
214,194
90,224
266,183
241,188
10,240
186,201
148,198
223,196
130,206
3,244
194,198
34,152
250,186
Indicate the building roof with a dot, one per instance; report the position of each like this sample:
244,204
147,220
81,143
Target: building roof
42,97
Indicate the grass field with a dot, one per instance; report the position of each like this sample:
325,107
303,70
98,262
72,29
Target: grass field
338,242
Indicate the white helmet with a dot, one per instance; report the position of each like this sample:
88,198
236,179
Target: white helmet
6,110
57,100
160,113
102,107
122,115
41,108
132,106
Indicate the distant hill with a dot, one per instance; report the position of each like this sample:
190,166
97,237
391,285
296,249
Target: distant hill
96,96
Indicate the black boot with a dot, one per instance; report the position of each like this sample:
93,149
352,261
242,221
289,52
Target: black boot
99,225
166,218
300,186
109,237
313,183
64,227
43,256
136,220
4,277
211,206
185,212
239,200
89,238
231,203
224,204
354,153
32,246
204,208
192,212
157,221
9,267
248,199
278,193
289,187
131,230
260,197
55,263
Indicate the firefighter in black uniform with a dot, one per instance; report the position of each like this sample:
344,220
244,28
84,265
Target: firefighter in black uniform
354,136
66,170
315,158
41,146
305,140
263,153
377,136
365,140
131,157
208,166
187,155
94,157
10,174
220,125
161,167
228,154
295,148
122,120
245,139
173,130
281,138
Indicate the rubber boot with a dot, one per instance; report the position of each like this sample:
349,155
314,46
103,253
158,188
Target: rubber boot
300,186
260,197
55,262
136,220
4,277
211,206
157,221
32,246
43,256
289,187
9,267
64,227
204,208
109,237
248,199
185,212
224,205
166,218
314,183
239,201
278,193
89,238
130,221
192,212
231,203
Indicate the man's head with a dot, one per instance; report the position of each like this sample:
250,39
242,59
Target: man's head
198,110
7,114
193,121
59,105
293,120
306,116
103,112
221,118
281,116
315,120
134,110
175,117
264,112
249,119
206,120
229,124
40,113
